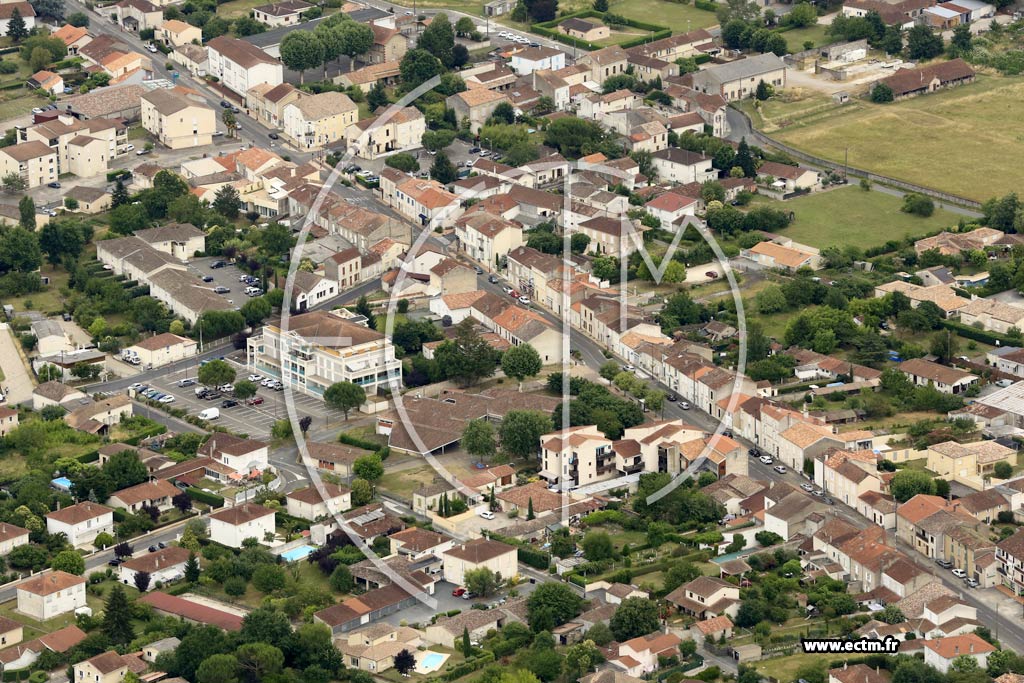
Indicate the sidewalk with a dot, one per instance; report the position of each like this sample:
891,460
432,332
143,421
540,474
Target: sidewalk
17,383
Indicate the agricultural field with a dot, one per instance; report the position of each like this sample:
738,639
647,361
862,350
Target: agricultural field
851,216
920,139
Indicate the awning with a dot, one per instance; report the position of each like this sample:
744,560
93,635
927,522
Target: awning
550,476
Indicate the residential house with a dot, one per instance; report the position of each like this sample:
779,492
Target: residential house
107,667
373,648
150,494
81,523
163,349
55,393
941,653
232,526
487,239
670,208
74,37
245,456
739,79
193,59
50,594
475,105
683,166
191,611
1010,559
787,179
969,463
788,255
314,122
706,597
389,46
8,420
47,81
396,131
993,316
175,33
11,537
240,65
944,378
423,201
90,200
178,118
478,553
33,162
604,63
266,102
642,655
309,503
283,13
447,631
162,566
581,29
527,61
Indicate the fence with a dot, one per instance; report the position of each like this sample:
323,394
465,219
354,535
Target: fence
766,141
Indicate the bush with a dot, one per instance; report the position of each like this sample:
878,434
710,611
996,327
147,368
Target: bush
234,586
8,67
403,162
534,558
211,499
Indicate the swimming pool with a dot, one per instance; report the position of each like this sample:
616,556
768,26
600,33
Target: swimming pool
432,660
62,483
297,553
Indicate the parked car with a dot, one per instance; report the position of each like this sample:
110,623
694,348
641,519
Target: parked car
143,152
671,398
458,592
684,405
711,275
780,469
221,289
492,278
524,300
274,136
207,278
186,382
766,459
254,401
478,270
225,104
55,185
507,289
971,582
218,264
486,514
228,403
807,487
166,398
959,573
945,564
255,378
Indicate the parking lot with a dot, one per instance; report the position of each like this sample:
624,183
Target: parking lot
446,602
256,421
226,277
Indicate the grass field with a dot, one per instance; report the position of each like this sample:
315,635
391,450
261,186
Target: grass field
921,139
851,216
238,8
796,38
401,484
678,17
784,668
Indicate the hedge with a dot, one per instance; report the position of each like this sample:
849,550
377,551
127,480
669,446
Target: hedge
469,666
15,85
706,5
550,30
211,499
145,434
350,440
534,558
983,336
280,518
91,456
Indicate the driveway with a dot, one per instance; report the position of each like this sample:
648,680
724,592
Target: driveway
17,384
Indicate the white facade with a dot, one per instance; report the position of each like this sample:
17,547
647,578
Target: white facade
84,531
236,75
232,534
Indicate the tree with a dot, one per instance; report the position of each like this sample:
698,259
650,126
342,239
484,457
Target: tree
918,204
944,345
117,617
891,615
520,362
26,207
128,218
404,662
341,579
119,196
763,92
745,160
218,668
1002,470
634,617
378,97
520,432
923,43
227,203
356,38
482,581
466,358
16,29
267,578
364,309
259,661
600,5
255,310
551,605
439,39
478,439
141,580
908,483
467,646
301,51
418,66
216,373
19,251
597,546
961,43
574,137
403,161
542,10
443,170
368,467
504,113
68,561
362,492
881,93
344,396
192,568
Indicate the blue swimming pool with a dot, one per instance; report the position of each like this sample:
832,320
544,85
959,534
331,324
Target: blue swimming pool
62,483
432,660
297,553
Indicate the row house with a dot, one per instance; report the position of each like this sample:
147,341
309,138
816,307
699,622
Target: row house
424,202
488,239
924,521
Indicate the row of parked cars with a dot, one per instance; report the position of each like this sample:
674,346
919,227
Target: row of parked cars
151,393
969,581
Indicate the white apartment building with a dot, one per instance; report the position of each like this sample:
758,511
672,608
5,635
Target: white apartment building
320,349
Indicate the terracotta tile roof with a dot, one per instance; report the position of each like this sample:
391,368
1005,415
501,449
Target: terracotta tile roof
76,514
240,514
311,496
480,550
161,559
954,646
192,611
52,582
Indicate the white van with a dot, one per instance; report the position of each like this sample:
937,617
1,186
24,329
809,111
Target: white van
209,414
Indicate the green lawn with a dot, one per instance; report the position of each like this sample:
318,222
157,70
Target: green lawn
15,103
851,216
796,38
921,139
679,17
49,299
784,669
403,482
238,8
